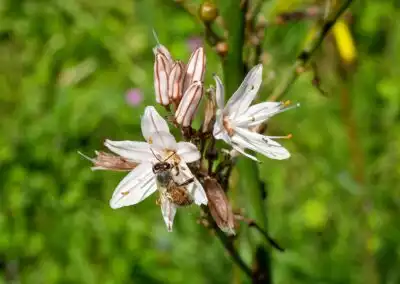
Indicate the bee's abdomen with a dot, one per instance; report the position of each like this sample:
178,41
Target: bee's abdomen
180,196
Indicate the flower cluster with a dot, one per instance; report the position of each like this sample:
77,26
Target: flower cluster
178,170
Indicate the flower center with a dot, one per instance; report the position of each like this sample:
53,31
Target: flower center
227,125
171,156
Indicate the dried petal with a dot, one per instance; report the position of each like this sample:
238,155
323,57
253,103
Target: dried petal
107,161
161,71
219,206
195,69
189,104
175,82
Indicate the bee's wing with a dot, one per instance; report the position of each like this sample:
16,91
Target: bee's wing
136,186
195,188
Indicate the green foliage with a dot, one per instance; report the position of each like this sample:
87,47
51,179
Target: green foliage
65,68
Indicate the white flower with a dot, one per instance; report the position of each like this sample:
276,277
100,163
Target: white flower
235,120
160,146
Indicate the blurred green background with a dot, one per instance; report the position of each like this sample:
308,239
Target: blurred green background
75,72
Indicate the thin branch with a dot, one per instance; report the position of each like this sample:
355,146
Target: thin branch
252,223
211,35
305,55
227,242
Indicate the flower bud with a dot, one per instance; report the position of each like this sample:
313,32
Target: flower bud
161,49
106,161
195,68
161,72
222,48
209,113
175,82
208,12
219,206
188,106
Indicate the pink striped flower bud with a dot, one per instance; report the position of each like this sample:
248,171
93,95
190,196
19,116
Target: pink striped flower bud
195,68
175,82
161,72
188,106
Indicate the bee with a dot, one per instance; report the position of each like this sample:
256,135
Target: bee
168,187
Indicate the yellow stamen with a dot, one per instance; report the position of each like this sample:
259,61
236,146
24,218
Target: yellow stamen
287,103
150,140
125,193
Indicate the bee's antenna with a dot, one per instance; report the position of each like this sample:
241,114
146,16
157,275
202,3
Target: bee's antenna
166,159
156,156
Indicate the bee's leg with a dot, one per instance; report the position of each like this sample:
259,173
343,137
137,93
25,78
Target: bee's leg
177,169
186,182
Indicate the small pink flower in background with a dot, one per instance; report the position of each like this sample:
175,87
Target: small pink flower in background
194,42
134,97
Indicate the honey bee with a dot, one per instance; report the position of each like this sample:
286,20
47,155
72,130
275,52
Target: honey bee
168,187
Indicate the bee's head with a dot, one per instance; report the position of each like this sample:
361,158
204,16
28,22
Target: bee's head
161,167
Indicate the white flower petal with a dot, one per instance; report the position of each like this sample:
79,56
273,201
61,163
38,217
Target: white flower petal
241,151
168,210
245,94
188,152
161,142
152,123
196,190
219,92
258,113
219,131
260,143
135,187
133,151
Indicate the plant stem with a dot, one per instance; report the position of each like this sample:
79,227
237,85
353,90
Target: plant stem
306,54
234,69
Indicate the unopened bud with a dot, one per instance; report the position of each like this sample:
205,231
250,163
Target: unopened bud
161,72
188,106
107,161
160,49
209,113
222,48
195,68
175,81
219,206
208,12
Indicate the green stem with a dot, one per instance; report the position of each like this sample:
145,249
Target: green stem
234,69
306,54
233,64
